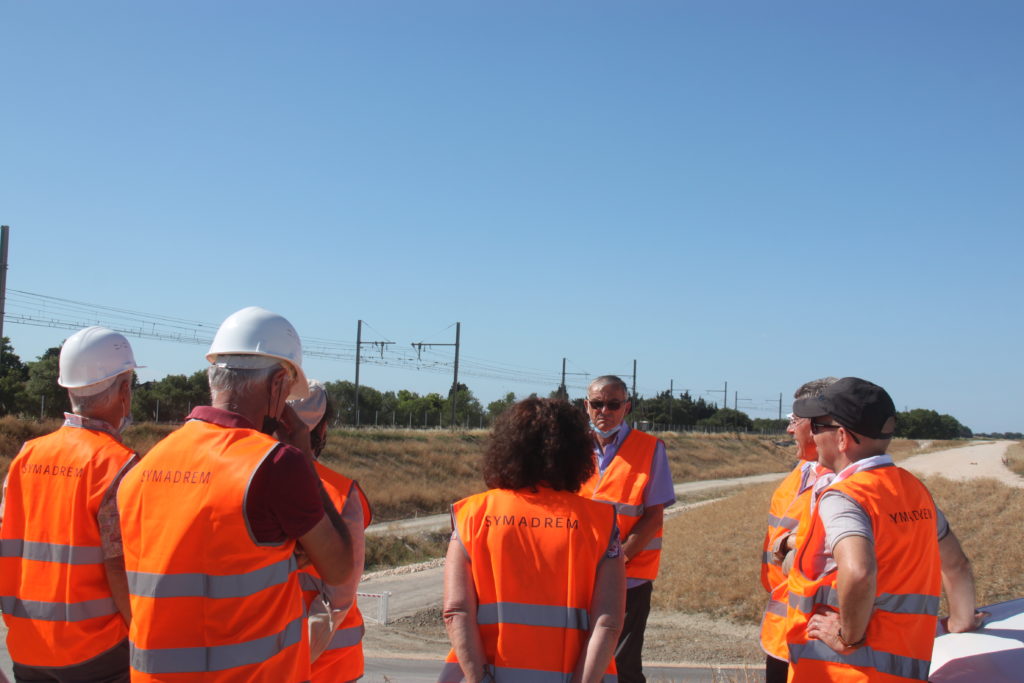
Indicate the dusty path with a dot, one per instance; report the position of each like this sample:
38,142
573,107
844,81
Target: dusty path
981,460
443,522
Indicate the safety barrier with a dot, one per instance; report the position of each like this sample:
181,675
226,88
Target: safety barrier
382,606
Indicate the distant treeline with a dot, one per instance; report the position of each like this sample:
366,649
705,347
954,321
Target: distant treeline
31,390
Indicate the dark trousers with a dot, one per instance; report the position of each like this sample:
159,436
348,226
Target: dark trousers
628,654
109,667
775,670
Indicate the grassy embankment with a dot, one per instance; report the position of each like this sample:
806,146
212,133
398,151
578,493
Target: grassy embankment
1015,457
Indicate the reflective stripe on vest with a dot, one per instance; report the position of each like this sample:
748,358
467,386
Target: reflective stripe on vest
176,660
555,616
775,607
57,611
347,637
149,585
51,552
866,657
784,522
451,672
888,602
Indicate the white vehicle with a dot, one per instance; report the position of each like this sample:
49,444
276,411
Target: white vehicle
992,654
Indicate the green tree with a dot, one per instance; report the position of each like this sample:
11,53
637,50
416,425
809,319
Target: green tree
921,423
468,411
170,399
42,388
667,409
768,426
496,408
727,418
13,375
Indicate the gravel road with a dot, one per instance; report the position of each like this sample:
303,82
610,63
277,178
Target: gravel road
977,461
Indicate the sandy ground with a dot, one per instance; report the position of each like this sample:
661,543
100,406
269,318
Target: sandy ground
977,461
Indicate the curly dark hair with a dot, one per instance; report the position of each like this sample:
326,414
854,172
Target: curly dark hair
539,441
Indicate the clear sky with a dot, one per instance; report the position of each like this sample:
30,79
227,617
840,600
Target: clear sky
759,193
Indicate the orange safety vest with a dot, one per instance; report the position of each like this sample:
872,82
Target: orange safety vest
343,659
534,557
901,631
53,583
787,508
622,484
209,603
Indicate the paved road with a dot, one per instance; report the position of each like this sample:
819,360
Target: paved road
379,670
970,462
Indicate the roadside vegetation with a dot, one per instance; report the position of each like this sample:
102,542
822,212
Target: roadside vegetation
1015,457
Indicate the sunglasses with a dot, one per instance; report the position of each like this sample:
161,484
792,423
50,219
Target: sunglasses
817,428
611,405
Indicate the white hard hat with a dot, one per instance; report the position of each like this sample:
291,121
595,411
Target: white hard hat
258,333
93,355
312,408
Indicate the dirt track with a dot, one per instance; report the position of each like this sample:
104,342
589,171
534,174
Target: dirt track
977,461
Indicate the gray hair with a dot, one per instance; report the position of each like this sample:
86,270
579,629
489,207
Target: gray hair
90,401
814,387
613,380
239,380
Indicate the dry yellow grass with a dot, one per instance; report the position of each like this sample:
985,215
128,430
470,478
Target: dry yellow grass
414,472
900,449
987,517
1015,457
406,473
711,559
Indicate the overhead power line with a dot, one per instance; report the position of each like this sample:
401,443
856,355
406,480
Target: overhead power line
41,310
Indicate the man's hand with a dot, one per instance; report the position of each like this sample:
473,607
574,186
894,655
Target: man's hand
824,626
301,558
293,431
951,625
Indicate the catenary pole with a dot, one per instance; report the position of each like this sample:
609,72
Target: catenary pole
359,346
4,236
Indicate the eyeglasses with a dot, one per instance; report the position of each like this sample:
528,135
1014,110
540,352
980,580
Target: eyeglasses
793,419
817,427
611,405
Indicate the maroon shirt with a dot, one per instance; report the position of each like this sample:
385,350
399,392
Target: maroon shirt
283,500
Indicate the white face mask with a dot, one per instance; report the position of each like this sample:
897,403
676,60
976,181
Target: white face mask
606,434
126,422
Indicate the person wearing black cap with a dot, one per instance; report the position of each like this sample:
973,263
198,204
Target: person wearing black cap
866,581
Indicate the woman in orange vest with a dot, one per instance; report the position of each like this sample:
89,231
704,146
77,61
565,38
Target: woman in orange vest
534,577
334,620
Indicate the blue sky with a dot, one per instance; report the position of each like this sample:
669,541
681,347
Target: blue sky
758,193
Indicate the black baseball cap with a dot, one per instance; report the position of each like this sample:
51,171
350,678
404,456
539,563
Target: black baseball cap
854,403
